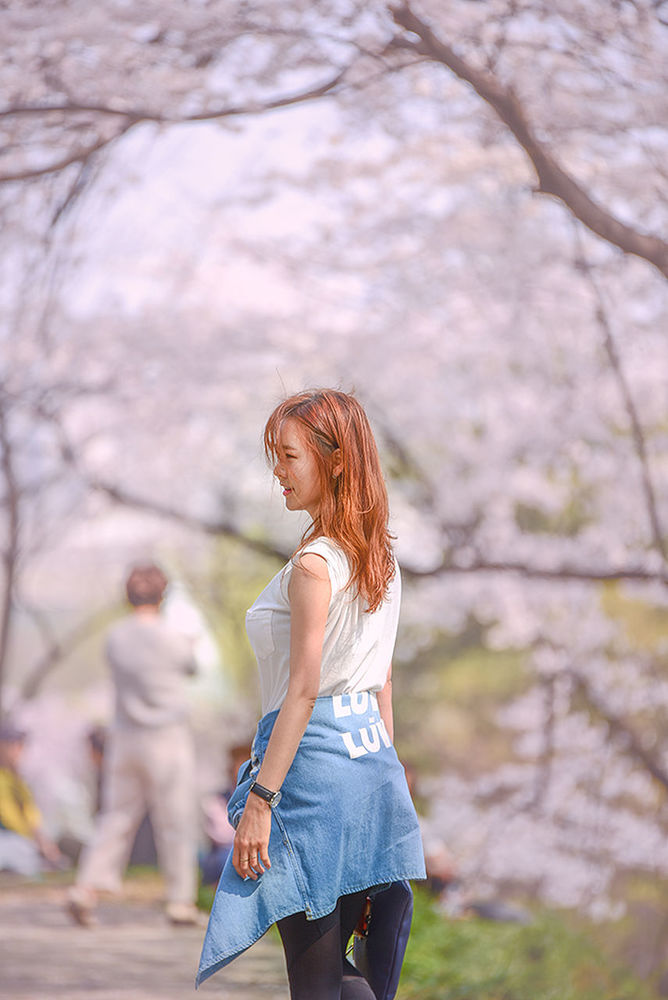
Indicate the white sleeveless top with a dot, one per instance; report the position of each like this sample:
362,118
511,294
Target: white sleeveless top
357,650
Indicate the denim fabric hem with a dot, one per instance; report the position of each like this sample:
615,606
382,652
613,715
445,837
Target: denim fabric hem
349,890
226,959
345,824
296,869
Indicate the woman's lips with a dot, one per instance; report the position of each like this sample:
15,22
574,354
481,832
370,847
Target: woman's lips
286,491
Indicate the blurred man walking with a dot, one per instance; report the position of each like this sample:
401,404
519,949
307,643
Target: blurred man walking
150,762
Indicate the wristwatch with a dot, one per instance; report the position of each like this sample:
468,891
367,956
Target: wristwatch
273,798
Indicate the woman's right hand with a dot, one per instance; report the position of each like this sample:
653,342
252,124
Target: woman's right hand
250,854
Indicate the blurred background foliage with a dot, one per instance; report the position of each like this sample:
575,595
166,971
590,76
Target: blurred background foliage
476,960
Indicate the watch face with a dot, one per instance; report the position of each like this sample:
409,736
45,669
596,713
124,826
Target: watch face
275,799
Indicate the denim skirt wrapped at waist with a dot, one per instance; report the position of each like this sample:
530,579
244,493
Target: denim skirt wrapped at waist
345,822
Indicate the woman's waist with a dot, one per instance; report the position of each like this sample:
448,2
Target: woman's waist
274,687
345,752
351,719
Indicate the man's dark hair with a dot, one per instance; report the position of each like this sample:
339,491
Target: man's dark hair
146,585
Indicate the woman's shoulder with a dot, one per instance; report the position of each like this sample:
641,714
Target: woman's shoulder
334,555
325,546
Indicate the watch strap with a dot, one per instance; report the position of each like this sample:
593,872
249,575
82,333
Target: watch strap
273,798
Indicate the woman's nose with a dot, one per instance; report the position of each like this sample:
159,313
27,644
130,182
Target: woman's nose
278,470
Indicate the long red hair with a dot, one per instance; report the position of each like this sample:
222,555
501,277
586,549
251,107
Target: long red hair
353,508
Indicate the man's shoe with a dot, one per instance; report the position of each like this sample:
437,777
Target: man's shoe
81,908
184,915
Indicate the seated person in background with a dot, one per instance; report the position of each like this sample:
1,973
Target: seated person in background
24,846
216,824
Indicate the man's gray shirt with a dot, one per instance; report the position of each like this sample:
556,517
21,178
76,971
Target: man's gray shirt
149,663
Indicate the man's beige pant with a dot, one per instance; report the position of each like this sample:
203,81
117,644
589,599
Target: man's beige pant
150,769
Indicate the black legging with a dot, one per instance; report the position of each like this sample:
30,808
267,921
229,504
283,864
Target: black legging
315,954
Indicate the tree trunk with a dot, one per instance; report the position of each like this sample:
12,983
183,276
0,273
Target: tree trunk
11,550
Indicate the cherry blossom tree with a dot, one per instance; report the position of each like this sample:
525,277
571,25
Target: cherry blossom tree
455,209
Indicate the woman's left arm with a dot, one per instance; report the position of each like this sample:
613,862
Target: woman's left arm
384,697
309,593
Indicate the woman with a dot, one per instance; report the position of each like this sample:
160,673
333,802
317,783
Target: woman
322,811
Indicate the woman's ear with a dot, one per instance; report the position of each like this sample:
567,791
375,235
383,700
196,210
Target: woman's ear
337,463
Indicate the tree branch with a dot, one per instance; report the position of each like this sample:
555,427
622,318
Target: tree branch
564,573
552,178
58,648
133,116
458,533
222,528
80,155
621,731
10,557
637,432
446,567
545,761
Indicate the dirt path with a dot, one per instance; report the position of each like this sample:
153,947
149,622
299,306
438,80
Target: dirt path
133,954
